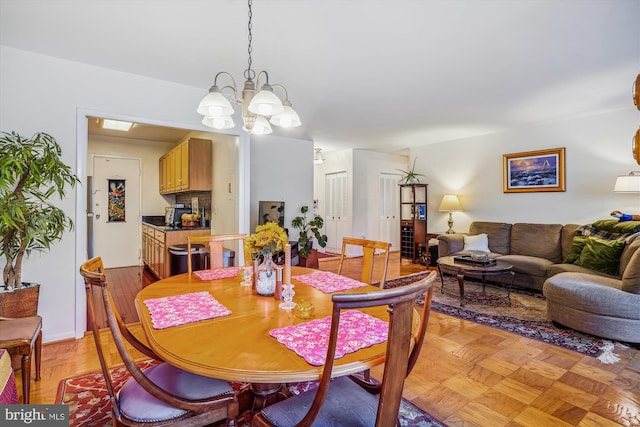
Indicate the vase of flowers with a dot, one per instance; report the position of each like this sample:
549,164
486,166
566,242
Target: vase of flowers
268,239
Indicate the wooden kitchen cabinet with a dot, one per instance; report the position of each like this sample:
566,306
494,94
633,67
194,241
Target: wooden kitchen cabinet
156,244
186,167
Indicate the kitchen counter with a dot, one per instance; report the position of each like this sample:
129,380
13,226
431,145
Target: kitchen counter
157,222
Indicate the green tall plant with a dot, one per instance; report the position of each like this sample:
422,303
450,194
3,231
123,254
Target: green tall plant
31,172
308,230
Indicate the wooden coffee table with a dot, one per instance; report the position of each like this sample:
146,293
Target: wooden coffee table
449,265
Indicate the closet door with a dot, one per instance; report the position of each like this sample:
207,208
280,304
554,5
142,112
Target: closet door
336,216
389,209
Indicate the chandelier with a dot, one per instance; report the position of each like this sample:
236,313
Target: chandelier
258,109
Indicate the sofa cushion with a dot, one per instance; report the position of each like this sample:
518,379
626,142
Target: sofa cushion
631,275
524,264
573,268
569,231
577,246
499,234
602,255
478,243
538,240
591,294
633,245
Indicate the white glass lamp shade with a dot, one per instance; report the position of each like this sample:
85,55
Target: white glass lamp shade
628,183
450,203
317,157
219,122
287,118
215,105
261,126
266,103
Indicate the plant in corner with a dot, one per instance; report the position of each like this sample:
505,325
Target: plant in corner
308,230
31,172
410,177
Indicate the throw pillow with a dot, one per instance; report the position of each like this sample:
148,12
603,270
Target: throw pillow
615,226
478,243
577,245
601,255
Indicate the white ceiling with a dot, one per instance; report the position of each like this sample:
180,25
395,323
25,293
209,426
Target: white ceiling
378,74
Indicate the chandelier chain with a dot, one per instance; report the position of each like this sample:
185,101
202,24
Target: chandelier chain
249,74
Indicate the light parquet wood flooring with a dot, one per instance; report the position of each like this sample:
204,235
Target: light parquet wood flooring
467,374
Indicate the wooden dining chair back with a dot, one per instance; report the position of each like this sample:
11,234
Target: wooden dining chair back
93,271
23,336
369,248
215,244
344,402
160,394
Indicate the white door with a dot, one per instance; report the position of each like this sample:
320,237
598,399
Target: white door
117,226
336,215
389,209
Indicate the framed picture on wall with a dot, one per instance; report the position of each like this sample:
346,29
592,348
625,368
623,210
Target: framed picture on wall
534,171
270,211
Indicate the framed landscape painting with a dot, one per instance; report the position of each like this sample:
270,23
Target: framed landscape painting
534,171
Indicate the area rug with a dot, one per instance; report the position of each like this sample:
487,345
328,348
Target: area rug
89,404
523,312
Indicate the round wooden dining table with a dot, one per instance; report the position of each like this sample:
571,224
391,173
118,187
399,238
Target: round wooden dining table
238,347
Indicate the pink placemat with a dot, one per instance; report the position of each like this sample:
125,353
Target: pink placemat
180,309
218,273
329,282
310,339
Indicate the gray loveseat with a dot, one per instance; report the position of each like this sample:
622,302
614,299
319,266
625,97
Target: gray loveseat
606,305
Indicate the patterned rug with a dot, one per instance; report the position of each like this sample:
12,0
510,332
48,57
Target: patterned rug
89,404
524,313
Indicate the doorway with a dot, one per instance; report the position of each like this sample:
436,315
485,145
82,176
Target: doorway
116,204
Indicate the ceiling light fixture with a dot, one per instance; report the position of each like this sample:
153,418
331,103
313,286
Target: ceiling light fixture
116,125
317,157
258,109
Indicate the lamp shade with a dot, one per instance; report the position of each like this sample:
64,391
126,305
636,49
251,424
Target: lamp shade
214,104
628,183
218,122
450,203
261,126
287,118
265,102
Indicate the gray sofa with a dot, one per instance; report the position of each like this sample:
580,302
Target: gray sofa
578,297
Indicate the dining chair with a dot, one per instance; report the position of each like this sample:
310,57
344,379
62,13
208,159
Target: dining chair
216,248
23,335
346,401
161,394
369,249
95,268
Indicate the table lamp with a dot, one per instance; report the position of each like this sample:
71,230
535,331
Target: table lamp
450,203
628,183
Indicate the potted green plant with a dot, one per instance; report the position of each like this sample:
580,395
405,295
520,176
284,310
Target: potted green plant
31,172
410,177
308,230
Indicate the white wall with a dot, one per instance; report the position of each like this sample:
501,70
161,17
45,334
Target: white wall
281,170
65,92
598,149
363,168
149,151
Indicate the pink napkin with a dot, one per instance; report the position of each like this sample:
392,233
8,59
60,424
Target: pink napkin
180,309
310,339
218,273
329,282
